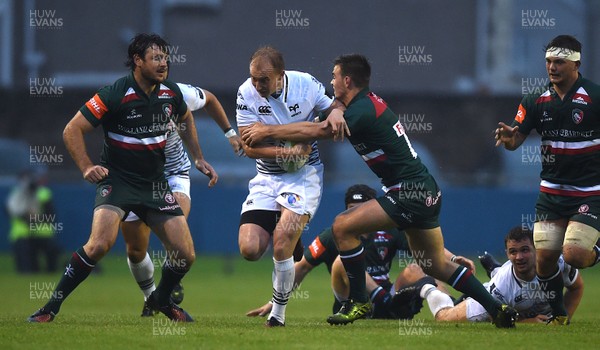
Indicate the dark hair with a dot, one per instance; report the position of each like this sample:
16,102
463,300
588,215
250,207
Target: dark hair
355,66
518,233
565,42
359,194
274,56
140,43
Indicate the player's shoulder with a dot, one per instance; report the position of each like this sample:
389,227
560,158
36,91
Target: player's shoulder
247,92
590,87
193,96
504,274
170,85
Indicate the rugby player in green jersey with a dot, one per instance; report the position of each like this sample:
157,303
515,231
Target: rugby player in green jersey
135,113
412,200
381,248
567,116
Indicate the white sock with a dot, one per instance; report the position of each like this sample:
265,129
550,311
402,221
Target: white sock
436,299
143,272
282,287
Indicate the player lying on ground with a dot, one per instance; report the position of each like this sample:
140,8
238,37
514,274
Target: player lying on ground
515,283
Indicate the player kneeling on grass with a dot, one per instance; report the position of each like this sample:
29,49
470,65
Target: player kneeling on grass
381,248
514,283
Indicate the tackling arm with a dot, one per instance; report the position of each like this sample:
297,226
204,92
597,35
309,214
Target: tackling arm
189,136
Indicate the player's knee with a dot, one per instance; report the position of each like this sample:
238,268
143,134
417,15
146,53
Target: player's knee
135,255
96,250
251,252
576,256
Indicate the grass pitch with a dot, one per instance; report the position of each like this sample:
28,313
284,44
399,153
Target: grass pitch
104,313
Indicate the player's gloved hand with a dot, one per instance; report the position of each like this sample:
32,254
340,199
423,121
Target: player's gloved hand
261,311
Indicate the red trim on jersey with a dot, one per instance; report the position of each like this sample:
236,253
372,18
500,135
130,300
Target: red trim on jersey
573,151
378,159
568,193
138,147
166,93
586,98
129,98
378,103
543,99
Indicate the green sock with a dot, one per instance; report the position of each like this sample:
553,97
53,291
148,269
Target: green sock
355,265
463,280
553,287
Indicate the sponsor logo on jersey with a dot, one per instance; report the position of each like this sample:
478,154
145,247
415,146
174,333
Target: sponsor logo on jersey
96,106
316,248
292,198
577,115
382,251
133,114
165,92
521,113
241,107
584,208
264,110
294,110
581,97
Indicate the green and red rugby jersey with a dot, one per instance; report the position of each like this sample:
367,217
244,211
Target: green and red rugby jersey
379,138
135,126
380,250
570,131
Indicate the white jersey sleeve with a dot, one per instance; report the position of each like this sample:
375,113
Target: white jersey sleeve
193,96
245,101
322,101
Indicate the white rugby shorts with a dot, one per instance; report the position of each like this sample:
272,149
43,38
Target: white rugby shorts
299,191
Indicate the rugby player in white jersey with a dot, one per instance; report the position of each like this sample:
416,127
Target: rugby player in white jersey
135,232
514,283
280,203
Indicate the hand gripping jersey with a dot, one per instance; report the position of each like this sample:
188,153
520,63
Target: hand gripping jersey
525,296
570,130
177,160
302,98
135,127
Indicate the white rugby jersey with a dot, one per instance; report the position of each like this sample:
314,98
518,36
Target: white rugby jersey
177,160
302,98
526,296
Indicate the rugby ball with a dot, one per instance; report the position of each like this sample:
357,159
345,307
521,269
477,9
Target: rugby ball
288,162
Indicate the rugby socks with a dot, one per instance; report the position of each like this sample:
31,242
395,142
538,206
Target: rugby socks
143,272
553,287
463,280
380,296
171,275
76,271
282,287
436,300
355,265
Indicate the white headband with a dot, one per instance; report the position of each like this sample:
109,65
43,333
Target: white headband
560,52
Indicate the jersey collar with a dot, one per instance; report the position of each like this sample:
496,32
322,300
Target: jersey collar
362,93
284,89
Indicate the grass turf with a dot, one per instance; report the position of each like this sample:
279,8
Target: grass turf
104,313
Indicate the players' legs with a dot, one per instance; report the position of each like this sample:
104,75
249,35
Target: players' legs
285,236
449,312
427,246
105,228
347,227
548,238
254,234
175,235
579,246
339,280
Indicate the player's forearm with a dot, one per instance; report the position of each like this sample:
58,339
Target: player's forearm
189,136
300,271
298,132
215,110
75,144
265,151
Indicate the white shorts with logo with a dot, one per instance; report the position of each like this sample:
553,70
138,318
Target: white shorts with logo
177,183
299,191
